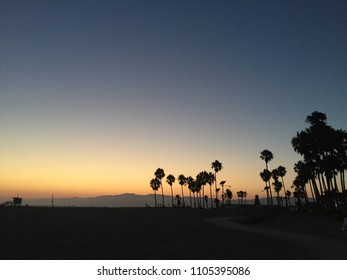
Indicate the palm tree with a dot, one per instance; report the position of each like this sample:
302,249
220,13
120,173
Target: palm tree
223,195
288,194
229,195
202,179
211,178
282,172
155,185
216,166
190,182
266,175
170,179
160,174
182,180
240,196
277,186
267,156
197,189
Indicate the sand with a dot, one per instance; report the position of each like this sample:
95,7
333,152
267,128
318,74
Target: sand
149,233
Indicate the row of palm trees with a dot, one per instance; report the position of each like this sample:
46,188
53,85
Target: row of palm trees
324,151
275,174
322,170
196,187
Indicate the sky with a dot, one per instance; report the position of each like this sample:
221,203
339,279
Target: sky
96,95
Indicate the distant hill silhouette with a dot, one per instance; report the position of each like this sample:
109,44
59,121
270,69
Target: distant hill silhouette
123,200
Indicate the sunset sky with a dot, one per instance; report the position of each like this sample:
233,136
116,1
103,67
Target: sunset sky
96,95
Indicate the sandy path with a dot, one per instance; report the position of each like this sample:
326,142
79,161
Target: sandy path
326,248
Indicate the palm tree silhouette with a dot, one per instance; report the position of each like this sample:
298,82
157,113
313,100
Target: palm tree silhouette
216,166
229,195
240,195
266,175
223,195
288,194
190,182
160,174
211,178
155,185
282,172
267,156
202,179
182,180
170,179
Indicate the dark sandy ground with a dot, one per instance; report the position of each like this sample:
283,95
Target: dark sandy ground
149,233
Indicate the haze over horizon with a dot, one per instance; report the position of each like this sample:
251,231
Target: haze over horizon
96,95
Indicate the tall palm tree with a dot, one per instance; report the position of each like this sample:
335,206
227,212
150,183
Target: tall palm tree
155,185
282,171
190,183
277,186
216,166
160,174
182,180
223,194
202,178
267,156
170,179
211,178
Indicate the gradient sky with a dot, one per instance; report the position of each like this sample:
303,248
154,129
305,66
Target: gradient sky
96,95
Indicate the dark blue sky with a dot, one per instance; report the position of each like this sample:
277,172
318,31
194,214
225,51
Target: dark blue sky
153,82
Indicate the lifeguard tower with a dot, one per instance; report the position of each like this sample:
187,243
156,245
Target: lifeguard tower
14,202
17,201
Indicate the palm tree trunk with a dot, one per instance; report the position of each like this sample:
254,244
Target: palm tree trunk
155,199
222,194
162,194
172,198
284,191
190,197
211,197
267,196
271,198
182,196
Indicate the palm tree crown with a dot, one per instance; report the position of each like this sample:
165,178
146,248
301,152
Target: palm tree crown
266,155
216,166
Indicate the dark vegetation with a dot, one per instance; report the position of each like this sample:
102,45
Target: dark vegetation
319,184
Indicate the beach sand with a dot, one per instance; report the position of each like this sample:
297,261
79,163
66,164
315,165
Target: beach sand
149,233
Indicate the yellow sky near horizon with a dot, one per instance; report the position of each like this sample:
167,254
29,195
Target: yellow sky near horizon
34,175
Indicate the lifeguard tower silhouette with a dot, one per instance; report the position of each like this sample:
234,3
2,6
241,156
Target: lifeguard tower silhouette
14,202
